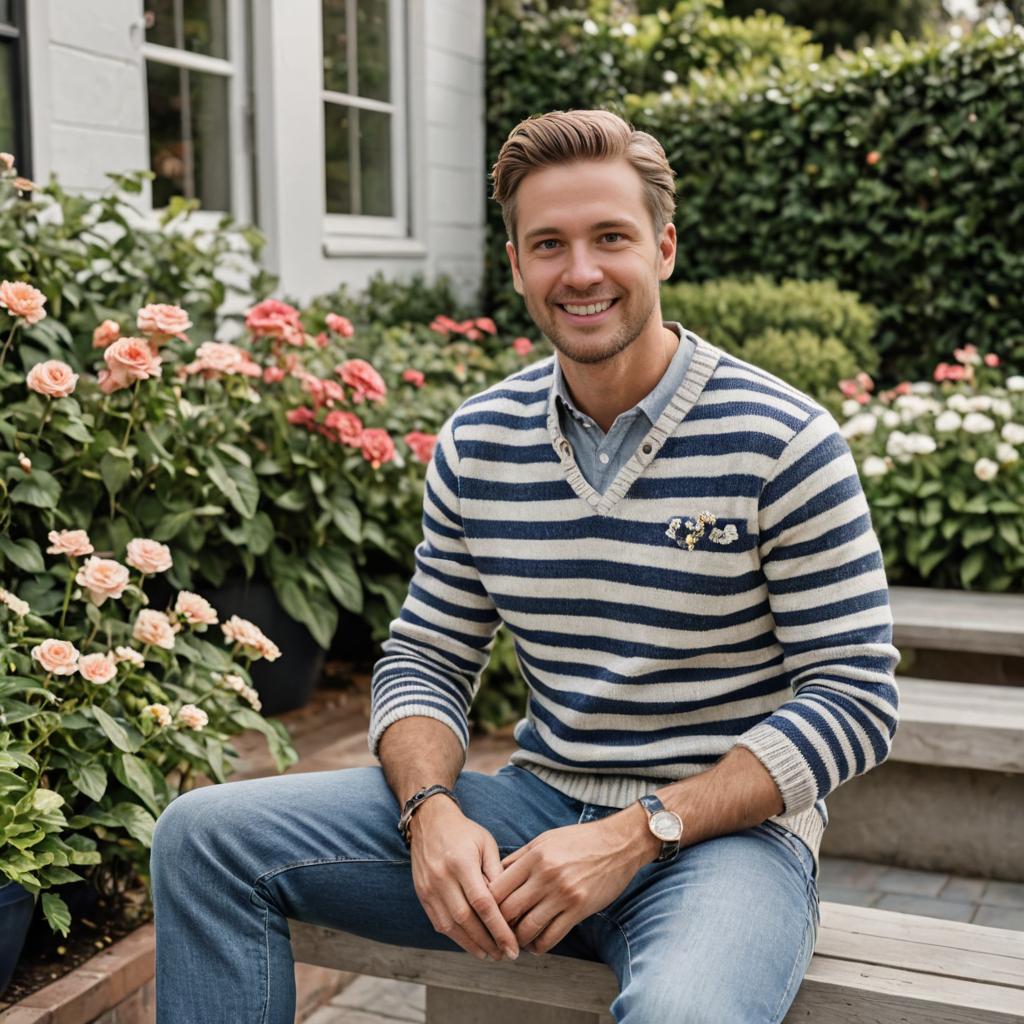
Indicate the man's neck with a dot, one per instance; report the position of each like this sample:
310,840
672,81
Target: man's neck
605,390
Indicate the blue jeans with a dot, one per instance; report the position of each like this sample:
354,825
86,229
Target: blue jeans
723,933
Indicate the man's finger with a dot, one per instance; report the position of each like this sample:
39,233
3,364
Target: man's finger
511,879
491,862
534,922
457,935
553,934
486,909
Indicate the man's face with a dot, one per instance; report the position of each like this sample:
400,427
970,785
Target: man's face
588,264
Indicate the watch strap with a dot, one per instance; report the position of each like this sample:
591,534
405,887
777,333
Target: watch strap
413,802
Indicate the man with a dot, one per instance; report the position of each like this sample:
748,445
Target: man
681,548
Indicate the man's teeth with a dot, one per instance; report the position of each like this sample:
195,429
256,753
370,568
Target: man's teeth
599,307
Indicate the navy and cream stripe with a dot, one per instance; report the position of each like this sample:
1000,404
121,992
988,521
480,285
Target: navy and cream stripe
647,661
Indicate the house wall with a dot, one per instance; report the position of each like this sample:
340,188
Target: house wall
89,115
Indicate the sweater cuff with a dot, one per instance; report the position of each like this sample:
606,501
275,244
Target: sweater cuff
784,763
379,724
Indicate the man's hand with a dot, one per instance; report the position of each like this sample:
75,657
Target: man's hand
453,859
565,875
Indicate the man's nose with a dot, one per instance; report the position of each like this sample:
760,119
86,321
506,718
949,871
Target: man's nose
582,271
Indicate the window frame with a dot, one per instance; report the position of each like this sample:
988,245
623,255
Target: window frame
18,33
350,225
234,68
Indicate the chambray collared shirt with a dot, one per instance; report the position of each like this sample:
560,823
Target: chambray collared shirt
600,456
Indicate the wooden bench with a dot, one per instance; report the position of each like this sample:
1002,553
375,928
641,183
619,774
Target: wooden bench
869,967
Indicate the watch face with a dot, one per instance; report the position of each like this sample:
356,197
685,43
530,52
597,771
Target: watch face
666,825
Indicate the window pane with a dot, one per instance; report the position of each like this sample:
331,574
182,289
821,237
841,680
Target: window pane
188,136
337,128
358,161
375,160
372,49
8,130
7,12
335,35
199,26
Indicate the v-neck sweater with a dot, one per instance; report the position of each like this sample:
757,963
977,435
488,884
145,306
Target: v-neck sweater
727,589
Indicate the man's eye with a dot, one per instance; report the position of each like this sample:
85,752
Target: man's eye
547,244
613,236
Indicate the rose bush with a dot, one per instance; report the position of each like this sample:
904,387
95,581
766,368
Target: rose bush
941,465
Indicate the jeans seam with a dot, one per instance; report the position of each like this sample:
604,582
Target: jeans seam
323,860
625,938
775,1018
266,964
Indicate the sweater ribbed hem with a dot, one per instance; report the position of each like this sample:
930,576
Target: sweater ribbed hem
379,723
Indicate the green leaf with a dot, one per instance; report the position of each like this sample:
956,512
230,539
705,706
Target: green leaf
346,517
24,553
971,568
237,483
115,732
319,617
294,500
90,779
136,777
259,533
137,821
235,452
40,490
171,525
336,569
115,471
54,874
215,756
977,533
278,740
45,801
56,912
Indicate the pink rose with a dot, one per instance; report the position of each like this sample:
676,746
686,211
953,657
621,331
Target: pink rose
107,333
422,445
377,447
443,325
301,417
73,543
153,627
413,377
7,159
991,359
22,300
485,323
57,656
273,375
346,426
53,379
195,610
522,346
128,360
102,578
25,462
159,321
160,713
270,318
97,668
192,717
242,631
364,380
148,556
340,325
214,358
124,653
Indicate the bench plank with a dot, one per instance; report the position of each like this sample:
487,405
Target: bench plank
957,620
960,725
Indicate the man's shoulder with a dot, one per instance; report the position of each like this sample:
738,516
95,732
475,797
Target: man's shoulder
526,387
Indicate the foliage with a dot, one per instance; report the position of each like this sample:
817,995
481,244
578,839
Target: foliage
942,471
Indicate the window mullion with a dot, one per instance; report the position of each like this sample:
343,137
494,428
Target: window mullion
352,57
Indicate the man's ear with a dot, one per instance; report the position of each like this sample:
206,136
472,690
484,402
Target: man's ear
667,252
513,259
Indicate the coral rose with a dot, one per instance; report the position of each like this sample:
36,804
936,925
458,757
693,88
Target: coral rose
148,556
97,668
7,159
192,717
340,325
19,607
413,377
53,379
214,358
128,360
271,318
422,445
159,321
160,713
106,334
22,300
73,543
522,346
153,627
123,653
195,610
364,380
377,447
25,462
102,578
57,656
243,632
346,427
301,417
485,323
273,375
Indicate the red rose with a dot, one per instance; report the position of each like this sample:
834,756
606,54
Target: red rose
364,380
422,445
377,447
413,377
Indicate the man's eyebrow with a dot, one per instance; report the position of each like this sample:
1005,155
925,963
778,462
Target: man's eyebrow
602,225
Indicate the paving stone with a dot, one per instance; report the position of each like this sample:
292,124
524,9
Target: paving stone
1000,917
911,883
854,874
966,890
847,894
927,906
1004,894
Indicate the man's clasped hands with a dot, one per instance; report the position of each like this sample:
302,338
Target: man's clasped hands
530,899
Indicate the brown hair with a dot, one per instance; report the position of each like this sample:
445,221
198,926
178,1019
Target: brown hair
564,136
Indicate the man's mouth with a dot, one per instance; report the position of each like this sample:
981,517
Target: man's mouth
589,309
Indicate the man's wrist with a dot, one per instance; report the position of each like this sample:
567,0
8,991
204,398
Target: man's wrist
631,826
430,809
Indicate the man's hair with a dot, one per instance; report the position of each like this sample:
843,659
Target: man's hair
566,136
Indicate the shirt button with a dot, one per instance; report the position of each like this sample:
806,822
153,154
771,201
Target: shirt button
586,426
647,449
604,458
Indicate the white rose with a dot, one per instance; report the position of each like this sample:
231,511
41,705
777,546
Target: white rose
922,387
891,418
959,402
1001,407
1013,433
979,403
859,426
978,423
986,469
1015,383
920,444
897,444
873,465
948,421
1006,453
851,407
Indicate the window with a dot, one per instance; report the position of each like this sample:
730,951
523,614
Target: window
197,96
13,106
364,130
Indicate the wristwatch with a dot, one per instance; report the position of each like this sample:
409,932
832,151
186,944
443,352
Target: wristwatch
413,802
665,824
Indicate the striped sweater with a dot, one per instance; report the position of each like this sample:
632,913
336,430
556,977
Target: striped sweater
727,589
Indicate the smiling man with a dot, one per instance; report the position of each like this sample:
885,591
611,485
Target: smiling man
680,547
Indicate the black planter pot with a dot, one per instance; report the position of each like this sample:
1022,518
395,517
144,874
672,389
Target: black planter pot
16,906
81,898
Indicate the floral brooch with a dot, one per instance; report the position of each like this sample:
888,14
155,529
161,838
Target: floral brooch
696,531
